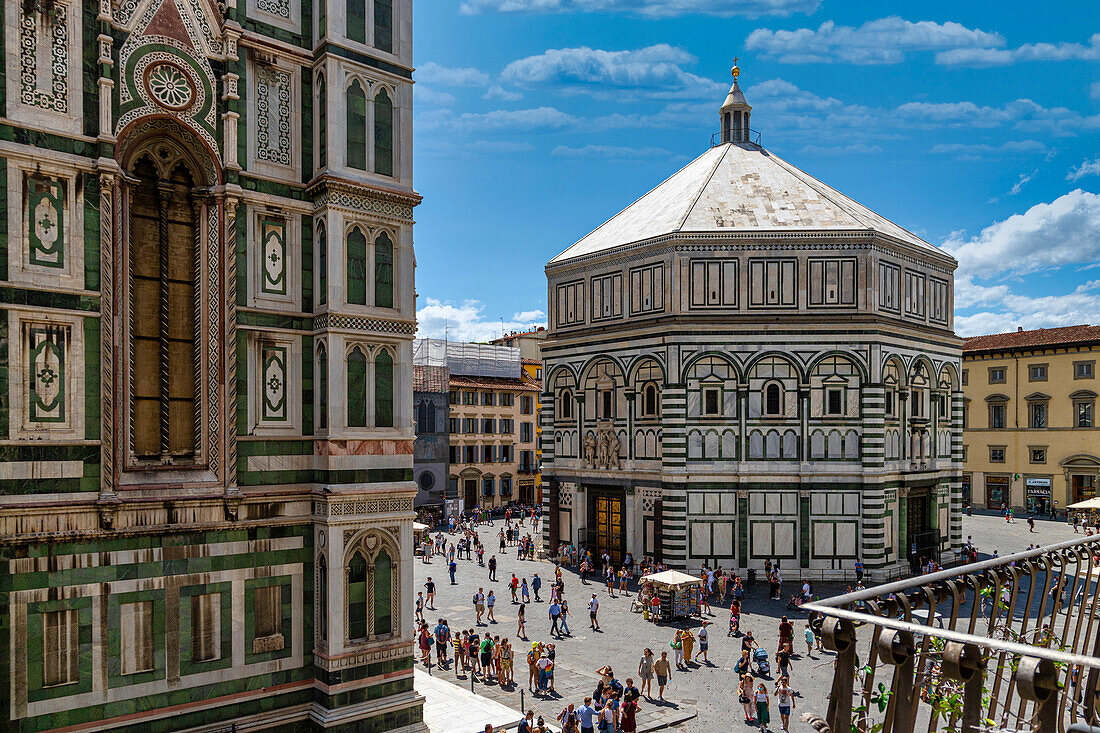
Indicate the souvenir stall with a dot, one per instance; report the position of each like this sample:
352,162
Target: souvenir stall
677,594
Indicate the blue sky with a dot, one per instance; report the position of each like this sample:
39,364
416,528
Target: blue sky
975,125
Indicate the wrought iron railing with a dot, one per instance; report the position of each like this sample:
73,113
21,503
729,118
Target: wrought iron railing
1011,643
717,138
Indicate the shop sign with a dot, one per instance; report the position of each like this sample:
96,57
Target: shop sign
996,480
1038,487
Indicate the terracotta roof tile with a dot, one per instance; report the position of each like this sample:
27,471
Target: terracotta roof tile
1042,337
536,362
506,383
430,378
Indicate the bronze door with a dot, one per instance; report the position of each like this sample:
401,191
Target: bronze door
609,530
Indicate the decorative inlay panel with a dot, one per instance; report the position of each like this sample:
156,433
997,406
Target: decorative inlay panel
273,115
350,323
362,506
44,82
45,216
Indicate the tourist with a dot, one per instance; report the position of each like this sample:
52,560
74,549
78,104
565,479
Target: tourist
459,650
609,579
744,664
521,630
490,601
704,638
475,653
564,617
627,716
664,671
585,714
507,672
623,575
533,657
811,637
430,588
784,696
419,605
607,716
763,716
493,568
630,692
568,719
593,607
551,654
528,722
783,658
536,584
786,631
748,643
425,645
677,645
744,696
479,605
544,665
554,613
442,641
645,672
859,570
452,568
689,646
524,593
513,585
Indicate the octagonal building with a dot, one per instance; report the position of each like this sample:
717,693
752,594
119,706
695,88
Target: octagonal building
745,364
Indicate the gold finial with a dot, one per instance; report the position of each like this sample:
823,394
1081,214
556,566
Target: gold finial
736,69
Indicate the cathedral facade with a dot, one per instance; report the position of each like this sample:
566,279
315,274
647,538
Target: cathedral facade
206,494
747,365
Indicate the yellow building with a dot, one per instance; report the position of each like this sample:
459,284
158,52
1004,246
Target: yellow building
1030,435
492,430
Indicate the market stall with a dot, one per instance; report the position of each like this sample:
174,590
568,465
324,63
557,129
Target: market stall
420,533
677,594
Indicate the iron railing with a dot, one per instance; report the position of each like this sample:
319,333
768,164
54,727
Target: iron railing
716,138
1011,643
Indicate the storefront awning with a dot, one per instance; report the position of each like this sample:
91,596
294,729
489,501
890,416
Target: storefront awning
1086,504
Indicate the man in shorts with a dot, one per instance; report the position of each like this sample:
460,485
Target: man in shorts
664,671
704,642
479,604
593,607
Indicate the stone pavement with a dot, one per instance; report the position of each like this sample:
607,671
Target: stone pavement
705,690
452,709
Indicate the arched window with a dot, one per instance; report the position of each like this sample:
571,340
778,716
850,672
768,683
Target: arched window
383,390
322,121
357,389
357,20
383,271
357,127
565,405
322,598
383,25
357,267
383,618
357,597
649,400
383,134
773,400
322,263
322,388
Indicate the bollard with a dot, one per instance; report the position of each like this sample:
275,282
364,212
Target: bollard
522,707
471,680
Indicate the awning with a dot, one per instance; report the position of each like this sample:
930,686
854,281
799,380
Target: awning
1093,503
671,578
418,527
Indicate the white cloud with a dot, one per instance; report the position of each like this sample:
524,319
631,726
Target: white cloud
650,8
467,321
651,72
1019,184
426,95
609,151
1087,168
975,151
534,119
1028,52
881,41
455,77
851,149
498,92
1007,311
1046,236
443,147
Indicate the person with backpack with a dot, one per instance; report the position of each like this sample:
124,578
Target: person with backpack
536,585
442,641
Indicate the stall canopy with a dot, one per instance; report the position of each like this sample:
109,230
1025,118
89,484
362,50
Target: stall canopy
671,578
418,527
1086,504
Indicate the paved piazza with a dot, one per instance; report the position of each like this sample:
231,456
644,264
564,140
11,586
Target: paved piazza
708,691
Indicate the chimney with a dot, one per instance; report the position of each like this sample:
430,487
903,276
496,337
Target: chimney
1019,329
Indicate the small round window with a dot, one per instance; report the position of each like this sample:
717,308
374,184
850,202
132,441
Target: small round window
427,480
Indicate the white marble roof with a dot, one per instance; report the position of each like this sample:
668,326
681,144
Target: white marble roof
737,188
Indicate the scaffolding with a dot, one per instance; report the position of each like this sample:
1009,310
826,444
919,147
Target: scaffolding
478,360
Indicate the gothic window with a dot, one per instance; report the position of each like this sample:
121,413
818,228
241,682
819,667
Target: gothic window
322,19
322,388
383,134
45,216
322,599
565,405
383,390
357,597
322,120
162,264
60,647
357,126
383,25
357,389
357,267
773,400
383,271
322,264
650,398
383,619
357,20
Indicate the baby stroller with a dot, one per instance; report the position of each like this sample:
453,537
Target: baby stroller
760,660
735,624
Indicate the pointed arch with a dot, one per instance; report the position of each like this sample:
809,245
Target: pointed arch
383,271
383,593
322,387
357,596
322,598
383,389
322,262
357,388
383,133
322,119
356,148
356,251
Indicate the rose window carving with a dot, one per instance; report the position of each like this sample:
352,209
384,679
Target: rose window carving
170,86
